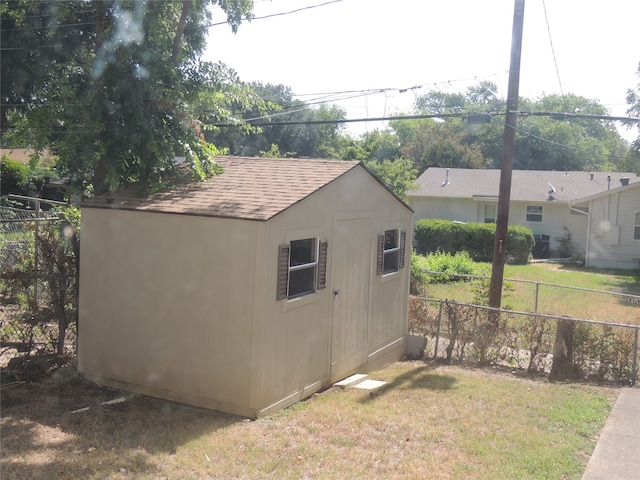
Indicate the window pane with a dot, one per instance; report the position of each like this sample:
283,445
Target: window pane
302,251
490,212
302,281
534,213
390,239
391,261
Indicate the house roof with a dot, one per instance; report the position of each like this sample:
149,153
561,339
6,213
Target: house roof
23,155
585,200
526,185
249,188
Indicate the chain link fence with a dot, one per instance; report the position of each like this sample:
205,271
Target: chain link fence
38,289
538,297
595,333
15,235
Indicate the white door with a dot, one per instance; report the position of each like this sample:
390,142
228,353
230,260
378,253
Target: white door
351,269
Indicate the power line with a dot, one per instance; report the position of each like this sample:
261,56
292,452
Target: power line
570,116
553,52
280,14
462,116
553,115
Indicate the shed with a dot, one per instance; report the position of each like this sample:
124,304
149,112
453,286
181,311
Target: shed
248,292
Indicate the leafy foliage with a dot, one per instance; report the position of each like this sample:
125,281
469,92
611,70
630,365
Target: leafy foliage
24,179
284,121
440,267
43,281
399,174
110,86
633,100
14,176
477,239
543,142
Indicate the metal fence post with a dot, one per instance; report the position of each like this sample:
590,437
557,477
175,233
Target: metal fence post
634,376
36,253
535,308
435,355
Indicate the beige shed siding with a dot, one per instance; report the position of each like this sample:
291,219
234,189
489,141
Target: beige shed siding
196,317
295,336
611,230
166,272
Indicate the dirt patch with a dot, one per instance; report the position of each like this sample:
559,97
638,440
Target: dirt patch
67,427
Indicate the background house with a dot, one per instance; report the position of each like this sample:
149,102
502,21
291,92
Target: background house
613,239
248,292
550,203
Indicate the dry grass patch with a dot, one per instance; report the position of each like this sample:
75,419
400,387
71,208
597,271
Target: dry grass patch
435,422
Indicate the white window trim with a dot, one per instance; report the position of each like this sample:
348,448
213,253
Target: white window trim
304,266
495,213
636,225
527,213
389,251
401,248
320,267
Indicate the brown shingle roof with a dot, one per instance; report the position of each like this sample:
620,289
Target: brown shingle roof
526,185
23,155
249,188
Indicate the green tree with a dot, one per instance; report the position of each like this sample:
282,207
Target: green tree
291,124
435,103
633,100
551,142
546,139
381,145
24,179
14,176
437,144
485,95
398,174
110,86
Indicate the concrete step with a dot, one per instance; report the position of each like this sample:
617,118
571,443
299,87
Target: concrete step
370,384
360,380
352,380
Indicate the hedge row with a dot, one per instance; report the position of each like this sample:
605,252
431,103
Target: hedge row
432,235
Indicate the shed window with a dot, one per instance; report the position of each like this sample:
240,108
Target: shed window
636,227
302,268
391,250
534,213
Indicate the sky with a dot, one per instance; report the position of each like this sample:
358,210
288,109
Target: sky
385,53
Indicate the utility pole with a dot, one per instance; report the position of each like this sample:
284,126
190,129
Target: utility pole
508,148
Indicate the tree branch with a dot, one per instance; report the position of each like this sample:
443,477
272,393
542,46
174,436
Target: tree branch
186,8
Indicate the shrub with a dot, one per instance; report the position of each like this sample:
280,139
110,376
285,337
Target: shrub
52,312
477,239
21,179
520,243
439,267
14,175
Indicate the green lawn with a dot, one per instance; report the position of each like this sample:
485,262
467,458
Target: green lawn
430,421
591,278
552,299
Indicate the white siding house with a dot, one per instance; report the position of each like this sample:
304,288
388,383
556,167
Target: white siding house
550,203
613,239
